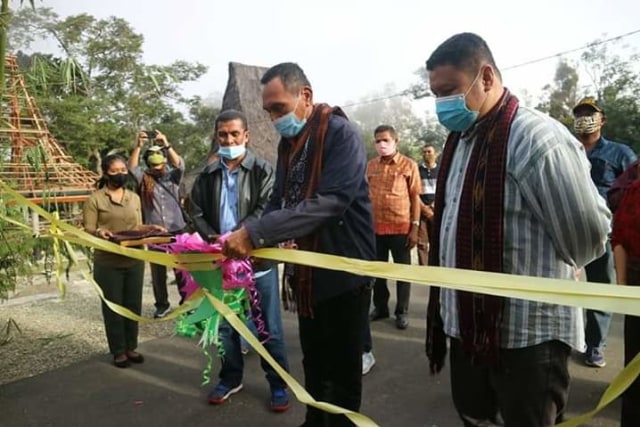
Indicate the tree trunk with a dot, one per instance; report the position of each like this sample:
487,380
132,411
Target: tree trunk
4,28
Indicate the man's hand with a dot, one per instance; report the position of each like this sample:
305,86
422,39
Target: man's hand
162,137
238,244
426,211
141,139
412,237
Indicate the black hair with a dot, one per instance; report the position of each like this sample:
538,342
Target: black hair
465,51
229,115
106,164
429,144
386,128
291,75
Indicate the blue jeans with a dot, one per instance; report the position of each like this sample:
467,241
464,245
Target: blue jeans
599,270
233,362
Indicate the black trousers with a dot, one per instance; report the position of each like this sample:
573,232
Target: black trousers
397,245
331,344
122,286
159,282
529,388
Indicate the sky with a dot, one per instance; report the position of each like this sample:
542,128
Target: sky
351,49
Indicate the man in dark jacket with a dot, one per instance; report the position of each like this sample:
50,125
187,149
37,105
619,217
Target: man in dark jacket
228,192
320,203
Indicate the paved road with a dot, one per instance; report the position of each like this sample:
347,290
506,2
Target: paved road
166,390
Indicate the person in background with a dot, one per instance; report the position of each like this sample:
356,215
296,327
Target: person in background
112,209
429,176
230,191
625,241
159,189
394,189
608,160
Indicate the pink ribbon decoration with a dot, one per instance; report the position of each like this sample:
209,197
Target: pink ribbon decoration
235,273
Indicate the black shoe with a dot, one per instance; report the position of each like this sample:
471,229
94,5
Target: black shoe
125,363
161,312
377,314
402,321
135,357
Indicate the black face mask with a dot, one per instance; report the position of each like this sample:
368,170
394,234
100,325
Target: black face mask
118,180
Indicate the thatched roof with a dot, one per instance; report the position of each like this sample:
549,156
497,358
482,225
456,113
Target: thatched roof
244,93
32,161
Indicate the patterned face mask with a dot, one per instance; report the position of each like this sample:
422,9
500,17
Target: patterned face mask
587,124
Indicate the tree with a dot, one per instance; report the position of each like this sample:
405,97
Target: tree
612,79
615,81
561,95
114,92
397,111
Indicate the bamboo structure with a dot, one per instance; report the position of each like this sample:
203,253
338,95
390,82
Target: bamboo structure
31,160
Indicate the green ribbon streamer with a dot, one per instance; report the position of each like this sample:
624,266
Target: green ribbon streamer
205,320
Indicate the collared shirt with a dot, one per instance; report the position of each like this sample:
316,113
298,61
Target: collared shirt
554,223
165,209
429,178
101,212
392,185
608,161
228,199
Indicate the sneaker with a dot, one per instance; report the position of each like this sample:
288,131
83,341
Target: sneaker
279,399
367,362
221,393
161,312
595,359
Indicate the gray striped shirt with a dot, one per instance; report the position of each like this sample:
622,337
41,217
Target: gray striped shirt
555,222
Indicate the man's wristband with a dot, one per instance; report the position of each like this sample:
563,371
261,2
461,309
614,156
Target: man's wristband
416,223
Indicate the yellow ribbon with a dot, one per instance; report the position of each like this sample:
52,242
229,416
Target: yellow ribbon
618,299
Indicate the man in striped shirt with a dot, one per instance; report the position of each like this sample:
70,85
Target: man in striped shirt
509,357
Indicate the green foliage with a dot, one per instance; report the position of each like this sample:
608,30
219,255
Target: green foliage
97,97
413,131
614,81
562,95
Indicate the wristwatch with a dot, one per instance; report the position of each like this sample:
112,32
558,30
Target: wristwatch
416,223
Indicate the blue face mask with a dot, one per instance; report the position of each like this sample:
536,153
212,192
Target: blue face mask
453,113
289,125
232,152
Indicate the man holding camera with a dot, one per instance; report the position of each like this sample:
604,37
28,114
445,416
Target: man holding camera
158,186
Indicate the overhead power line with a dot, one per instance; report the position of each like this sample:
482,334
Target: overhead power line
408,92
577,49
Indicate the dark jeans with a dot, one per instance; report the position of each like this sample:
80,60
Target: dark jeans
122,286
599,270
233,362
331,344
631,397
159,282
529,388
367,342
397,245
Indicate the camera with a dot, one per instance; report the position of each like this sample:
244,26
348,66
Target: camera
151,134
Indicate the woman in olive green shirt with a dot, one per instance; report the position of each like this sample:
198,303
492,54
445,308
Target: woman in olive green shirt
113,209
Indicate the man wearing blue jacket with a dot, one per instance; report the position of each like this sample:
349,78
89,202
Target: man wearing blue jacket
608,161
320,203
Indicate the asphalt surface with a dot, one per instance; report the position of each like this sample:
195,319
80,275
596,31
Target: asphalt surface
166,390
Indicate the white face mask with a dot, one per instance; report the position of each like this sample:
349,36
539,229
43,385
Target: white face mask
587,124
